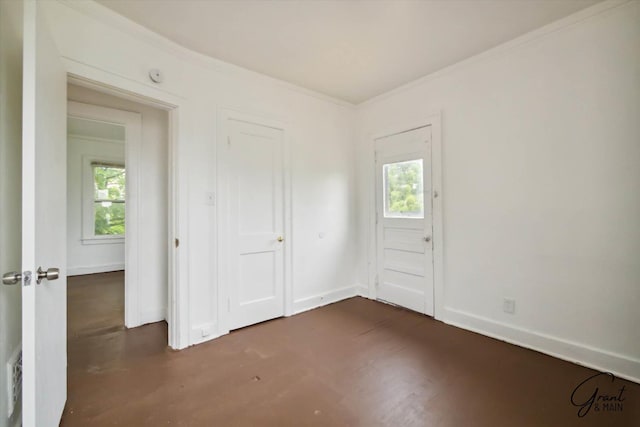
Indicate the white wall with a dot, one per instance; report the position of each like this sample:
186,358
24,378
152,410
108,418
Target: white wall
540,160
83,258
323,177
10,191
153,203
541,156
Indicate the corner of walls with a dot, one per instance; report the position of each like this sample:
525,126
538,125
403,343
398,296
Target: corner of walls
325,298
363,291
602,41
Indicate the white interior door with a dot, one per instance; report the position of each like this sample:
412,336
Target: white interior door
44,304
404,220
256,223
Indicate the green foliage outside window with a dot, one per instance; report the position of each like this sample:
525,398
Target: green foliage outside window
403,189
109,197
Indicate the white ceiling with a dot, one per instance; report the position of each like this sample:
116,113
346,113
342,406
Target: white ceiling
351,50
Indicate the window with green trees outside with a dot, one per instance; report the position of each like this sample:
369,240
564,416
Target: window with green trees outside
108,199
403,193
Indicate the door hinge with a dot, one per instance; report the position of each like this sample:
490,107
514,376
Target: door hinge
177,242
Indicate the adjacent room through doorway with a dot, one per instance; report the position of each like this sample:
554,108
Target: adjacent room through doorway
117,207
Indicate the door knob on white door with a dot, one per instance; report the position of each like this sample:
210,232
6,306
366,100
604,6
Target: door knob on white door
280,239
427,239
11,278
49,274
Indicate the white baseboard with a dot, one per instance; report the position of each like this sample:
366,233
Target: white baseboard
601,360
362,290
78,271
203,332
316,301
152,316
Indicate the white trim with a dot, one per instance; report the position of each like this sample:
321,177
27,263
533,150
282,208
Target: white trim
114,20
153,316
93,269
602,360
434,121
103,240
325,298
114,84
222,210
504,48
178,274
93,138
362,290
196,336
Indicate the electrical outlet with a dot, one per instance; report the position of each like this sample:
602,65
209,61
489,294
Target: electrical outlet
509,305
205,331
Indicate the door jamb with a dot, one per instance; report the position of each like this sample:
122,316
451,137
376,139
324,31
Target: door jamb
222,211
433,120
178,283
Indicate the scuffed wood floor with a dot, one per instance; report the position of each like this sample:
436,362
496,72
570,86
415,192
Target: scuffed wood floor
353,363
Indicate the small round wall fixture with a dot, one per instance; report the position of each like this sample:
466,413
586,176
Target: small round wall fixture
156,75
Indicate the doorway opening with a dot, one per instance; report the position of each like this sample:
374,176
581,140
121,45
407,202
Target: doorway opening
117,213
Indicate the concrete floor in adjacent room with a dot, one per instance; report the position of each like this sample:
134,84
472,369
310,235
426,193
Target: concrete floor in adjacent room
353,363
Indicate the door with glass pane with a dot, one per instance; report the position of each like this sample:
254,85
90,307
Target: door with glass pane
404,220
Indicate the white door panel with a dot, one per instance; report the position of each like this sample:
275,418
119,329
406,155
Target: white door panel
256,219
44,305
404,220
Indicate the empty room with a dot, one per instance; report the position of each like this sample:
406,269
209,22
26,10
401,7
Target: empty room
320,213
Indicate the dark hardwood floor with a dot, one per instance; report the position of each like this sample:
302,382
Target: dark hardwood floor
353,363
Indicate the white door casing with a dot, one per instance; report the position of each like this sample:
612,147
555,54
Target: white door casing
44,305
405,271
256,218
111,84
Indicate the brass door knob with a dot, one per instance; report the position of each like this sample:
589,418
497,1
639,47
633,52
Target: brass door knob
280,239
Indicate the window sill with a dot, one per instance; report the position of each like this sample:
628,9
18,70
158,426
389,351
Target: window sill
103,240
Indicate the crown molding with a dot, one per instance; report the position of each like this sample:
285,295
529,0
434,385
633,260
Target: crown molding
101,13
507,47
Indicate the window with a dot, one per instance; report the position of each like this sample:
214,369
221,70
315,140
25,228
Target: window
108,199
403,193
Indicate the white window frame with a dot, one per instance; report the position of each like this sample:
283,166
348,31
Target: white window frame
88,215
